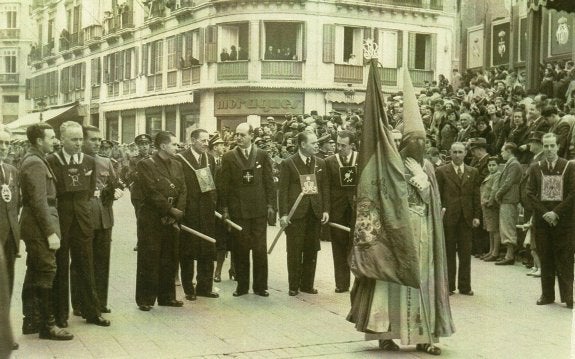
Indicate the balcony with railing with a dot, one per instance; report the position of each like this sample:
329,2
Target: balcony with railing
76,40
48,49
233,71
282,70
183,10
348,73
415,4
420,77
156,16
191,75
9,34
9,79
388,76
93,34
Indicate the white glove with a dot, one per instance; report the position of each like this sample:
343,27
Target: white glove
53,242
419,179
118,193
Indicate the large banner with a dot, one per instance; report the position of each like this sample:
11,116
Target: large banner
500,45
560,33
475,46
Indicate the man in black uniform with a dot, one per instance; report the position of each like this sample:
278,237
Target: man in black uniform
130,177
247,197
161,179
342,174
75,184
41,233
551,194
199,168
296,175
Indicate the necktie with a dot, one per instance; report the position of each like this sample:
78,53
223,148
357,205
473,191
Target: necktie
459,172
72,161
2,175
246,154
308,162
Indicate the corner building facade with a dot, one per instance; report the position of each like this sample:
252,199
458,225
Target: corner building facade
134,69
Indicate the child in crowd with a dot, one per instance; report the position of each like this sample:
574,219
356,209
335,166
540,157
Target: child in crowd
491,209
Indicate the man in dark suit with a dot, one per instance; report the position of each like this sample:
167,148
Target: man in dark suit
161,179
341,170
303,229
507,197
551,193
40,229
247,197
75,183
9,207
199,169
459,188
102,217
480,158
560,128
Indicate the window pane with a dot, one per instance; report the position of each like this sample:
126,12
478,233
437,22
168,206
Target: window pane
234,42
112,126
189,119
153,121
283,41
10,99
128,127
171,121
420,51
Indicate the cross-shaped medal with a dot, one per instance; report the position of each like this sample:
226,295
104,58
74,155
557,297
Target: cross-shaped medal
248,177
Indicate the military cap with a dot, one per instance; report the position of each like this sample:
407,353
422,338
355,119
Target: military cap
108,142
215,139
143,138
536,136
477,142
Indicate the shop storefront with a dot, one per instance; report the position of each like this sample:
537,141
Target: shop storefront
233,108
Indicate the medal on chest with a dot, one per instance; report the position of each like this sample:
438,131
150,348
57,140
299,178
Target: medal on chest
248,176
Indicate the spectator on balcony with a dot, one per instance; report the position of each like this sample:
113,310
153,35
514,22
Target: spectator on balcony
288,55
233,53
353,60
270,53
224,56
242,54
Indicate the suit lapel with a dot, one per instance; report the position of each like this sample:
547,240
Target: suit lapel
454,177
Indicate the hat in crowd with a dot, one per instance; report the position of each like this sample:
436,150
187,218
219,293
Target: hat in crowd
477,142
270,119
258,140
324,139
215,139
108,142
413,124
144,137
294,126
536,136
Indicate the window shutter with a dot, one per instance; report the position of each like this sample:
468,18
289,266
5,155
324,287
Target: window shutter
376,36
83,72
328,43
263,44
434,54
136,62
211,43
399,49
411,47
144,60
159,54
303,41
179,58
112,60
201,55
63,80
128,64
106,72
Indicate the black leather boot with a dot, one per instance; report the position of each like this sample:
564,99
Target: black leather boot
30,323
48,328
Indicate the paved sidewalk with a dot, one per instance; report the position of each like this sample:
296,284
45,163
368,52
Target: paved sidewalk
500,321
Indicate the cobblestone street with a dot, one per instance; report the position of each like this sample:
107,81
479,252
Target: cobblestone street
500,321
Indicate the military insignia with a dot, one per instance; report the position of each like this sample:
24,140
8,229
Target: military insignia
6,193
348,176
205,179
552,188
308,184
248,176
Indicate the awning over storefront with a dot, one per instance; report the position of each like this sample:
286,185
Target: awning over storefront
148,101
51,115
339,96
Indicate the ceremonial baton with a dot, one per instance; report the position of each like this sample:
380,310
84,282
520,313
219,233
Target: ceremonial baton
339,226
232,224
282,229
195,233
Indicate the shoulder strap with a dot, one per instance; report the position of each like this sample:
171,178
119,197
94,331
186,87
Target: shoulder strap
186,161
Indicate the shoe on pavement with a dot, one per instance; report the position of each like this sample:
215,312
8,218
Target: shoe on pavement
172,303
537,274
145,308
309,290
98,321
208,295
341,290
262,293
293,293
543,301
237,293
505,262
469,293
